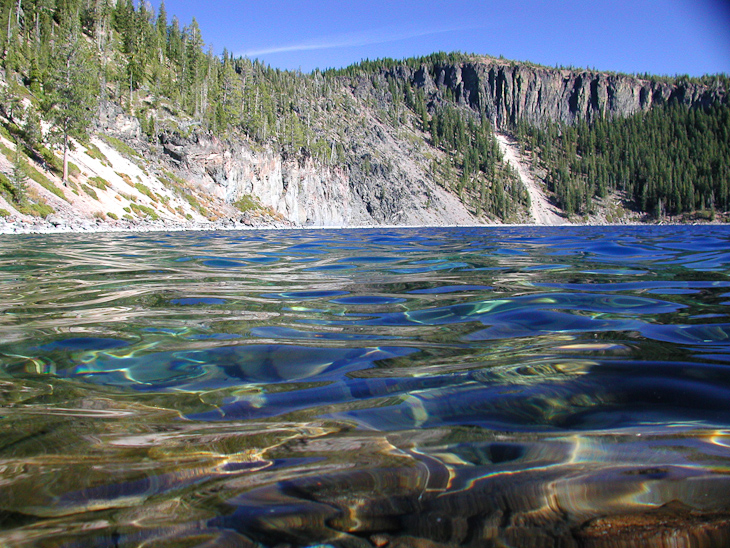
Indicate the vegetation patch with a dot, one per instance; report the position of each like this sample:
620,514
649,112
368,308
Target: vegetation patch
112,215
6,187
120,146
35,206
50,160
93,152
126,178
179,180
99,182
144,211
45,182
144,189
73,170
247,203
90,191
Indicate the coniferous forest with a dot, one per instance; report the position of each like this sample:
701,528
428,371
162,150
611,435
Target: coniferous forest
62,59
669,161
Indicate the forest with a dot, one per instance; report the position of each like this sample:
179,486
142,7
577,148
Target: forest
668,161
64,57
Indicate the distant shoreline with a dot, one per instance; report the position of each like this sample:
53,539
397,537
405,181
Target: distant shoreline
19,229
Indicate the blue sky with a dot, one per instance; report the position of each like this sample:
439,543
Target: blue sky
656,36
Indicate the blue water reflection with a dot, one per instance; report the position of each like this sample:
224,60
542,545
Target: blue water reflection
507,386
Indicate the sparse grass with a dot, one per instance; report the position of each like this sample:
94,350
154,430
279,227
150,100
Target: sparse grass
90,191
144,211
4,213
73,170
144,189
180,181
93,152
35,206
182,189
126,178
112,215
45,182
193,201
120,146
99,182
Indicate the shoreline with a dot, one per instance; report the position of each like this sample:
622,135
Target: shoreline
46,228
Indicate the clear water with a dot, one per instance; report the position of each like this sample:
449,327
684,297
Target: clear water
455,386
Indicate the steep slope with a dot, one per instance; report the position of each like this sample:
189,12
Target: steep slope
381,143
542,212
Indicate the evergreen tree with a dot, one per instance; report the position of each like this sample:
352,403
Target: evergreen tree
71,88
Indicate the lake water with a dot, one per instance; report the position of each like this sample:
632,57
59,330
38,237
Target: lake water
390,387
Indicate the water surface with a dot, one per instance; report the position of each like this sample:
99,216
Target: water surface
471,386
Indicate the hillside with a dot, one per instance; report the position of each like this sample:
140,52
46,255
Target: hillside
170,136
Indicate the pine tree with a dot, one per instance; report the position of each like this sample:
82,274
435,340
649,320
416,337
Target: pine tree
71,89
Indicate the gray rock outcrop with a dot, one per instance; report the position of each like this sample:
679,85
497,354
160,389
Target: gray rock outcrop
508,91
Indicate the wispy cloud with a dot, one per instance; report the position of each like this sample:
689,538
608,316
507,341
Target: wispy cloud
349,40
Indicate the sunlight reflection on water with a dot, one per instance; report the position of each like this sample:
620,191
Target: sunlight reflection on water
361,387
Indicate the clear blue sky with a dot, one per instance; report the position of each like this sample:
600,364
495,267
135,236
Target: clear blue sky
656,36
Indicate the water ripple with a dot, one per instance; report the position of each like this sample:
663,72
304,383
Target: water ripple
492,386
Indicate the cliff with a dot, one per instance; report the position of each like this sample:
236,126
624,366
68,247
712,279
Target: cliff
508,91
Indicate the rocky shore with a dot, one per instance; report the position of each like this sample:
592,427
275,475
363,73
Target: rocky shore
40,226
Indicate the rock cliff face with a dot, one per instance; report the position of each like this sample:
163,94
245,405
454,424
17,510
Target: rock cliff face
508,91
305,193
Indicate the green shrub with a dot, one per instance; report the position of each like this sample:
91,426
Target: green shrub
112,215
52,161
247,203
8,189
4,213
41,210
